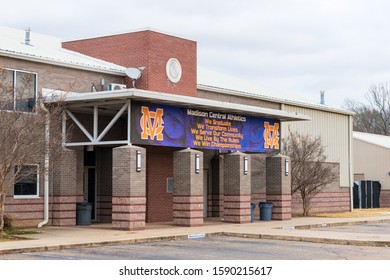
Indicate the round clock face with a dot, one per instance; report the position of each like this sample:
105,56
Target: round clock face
173,69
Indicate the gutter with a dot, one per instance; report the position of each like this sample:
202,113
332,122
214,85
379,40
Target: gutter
350,155
57,62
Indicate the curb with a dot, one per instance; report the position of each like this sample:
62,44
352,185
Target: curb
340,224
228,234
310,239
99,244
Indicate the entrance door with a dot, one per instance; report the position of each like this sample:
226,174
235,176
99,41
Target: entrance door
90,189
205,191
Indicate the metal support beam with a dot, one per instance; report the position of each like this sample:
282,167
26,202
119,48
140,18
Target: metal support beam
128,122
95,138
95,122
112,122
78,123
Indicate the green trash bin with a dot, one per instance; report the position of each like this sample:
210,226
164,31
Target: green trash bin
83,213
265,211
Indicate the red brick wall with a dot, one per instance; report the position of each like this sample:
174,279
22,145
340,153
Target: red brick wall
325,202
159,166
149,49
385,198
23,212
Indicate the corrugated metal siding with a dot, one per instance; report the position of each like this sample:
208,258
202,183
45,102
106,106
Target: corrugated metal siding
333,129
373,161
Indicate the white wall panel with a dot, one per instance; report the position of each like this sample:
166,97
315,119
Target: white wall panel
334,130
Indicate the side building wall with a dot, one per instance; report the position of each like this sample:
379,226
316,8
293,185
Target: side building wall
22,212
335,132
372,162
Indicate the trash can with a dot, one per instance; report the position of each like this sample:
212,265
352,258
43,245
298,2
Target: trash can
253,207
83,213
265,211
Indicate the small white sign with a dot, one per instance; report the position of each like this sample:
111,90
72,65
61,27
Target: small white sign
289,228
196,235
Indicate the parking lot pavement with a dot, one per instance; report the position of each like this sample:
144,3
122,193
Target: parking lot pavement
213,248
309,229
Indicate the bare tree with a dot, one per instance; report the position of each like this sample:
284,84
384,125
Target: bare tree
375,117
309,172
28,132
379,98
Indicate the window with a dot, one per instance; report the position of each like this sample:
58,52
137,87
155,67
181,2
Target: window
27,181
18,90
169,185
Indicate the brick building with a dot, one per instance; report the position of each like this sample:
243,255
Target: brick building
157,138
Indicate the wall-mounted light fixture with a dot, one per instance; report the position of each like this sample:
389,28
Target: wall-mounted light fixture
138,163
246,167
197,164
286,167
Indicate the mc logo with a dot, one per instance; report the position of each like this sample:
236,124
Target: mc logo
152,124
271,136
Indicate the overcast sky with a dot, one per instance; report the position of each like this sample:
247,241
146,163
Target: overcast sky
293,46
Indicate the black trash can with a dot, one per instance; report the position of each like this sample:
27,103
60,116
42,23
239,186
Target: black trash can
253,207
265,211
83,213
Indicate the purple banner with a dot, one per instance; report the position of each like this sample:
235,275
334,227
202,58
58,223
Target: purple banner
165,125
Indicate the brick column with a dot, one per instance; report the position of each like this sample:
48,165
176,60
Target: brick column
128,188
279,187
188,188
237,190
67,187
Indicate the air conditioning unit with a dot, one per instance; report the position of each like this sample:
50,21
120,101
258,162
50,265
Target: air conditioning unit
113,86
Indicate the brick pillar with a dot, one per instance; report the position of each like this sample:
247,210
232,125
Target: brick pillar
128,188
188,188
279,187
237,191
67,187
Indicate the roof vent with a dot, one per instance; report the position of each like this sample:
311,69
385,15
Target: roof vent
27,38
322,100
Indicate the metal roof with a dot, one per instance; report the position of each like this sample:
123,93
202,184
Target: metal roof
49,50
375,139
103,97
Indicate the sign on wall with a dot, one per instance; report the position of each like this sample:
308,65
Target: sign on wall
165,125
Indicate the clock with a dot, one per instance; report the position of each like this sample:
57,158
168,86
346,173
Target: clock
173,69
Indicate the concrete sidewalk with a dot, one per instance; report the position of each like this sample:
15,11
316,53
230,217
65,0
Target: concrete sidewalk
297,229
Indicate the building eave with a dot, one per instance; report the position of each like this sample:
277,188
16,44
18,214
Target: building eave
55,62
274,99
76,99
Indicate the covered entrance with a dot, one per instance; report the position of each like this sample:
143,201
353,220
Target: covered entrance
132,128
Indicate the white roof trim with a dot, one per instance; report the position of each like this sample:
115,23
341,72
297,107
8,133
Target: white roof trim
375,139
60,63
179,100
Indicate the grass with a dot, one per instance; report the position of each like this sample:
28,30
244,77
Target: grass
357,213
9,234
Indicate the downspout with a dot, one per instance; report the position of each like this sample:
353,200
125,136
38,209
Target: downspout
46,169
350,155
